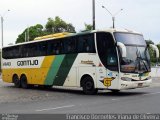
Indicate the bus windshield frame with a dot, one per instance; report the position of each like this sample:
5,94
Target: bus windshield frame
130,38
137,59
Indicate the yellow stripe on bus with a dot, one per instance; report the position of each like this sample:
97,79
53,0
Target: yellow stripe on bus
34,75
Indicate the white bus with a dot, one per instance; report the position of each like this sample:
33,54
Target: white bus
109,59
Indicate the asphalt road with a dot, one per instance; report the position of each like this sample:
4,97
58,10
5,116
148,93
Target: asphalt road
56,100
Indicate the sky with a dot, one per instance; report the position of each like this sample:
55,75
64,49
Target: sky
139,15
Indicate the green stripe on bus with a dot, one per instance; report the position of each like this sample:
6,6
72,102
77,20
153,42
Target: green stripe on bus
54,69
64,69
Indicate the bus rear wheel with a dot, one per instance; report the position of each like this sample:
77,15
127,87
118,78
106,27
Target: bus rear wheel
88,86
24,83
16,81
48,86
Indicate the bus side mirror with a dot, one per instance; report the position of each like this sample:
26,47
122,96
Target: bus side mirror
154,47
123,49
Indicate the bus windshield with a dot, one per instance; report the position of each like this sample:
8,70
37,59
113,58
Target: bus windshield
137,59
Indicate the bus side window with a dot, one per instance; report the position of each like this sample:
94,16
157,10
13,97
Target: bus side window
111,59
26,50
6,52
107,50
23,51
69,45
55,47
51,49
16,52
86,44
42,49
31,50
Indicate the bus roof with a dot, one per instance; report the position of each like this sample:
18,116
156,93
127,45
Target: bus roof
56,35
67,34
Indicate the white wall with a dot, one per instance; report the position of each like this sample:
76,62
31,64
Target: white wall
155,71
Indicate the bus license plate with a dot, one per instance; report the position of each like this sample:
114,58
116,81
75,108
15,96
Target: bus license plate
140,84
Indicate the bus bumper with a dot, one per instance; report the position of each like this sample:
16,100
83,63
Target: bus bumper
134,84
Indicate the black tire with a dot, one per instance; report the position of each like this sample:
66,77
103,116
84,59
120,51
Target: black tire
48,86
88,86
45,86
115,91
24,83
16,81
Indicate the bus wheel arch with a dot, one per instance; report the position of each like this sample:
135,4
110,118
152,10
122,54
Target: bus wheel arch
23,81
88,85
16,81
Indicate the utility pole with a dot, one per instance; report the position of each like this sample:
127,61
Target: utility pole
2,30
93,10
2,20
25,36
28,34
113,15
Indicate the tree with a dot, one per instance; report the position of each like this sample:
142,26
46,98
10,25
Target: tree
88,27
159,50
158,46
58,25
149,42
152,52
34,31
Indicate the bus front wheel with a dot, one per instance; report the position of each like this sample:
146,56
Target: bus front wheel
16,81
24,83
88,86
115,91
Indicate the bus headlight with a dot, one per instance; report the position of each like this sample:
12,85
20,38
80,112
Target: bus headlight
126,79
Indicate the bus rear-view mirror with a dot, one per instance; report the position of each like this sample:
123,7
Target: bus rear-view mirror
123,49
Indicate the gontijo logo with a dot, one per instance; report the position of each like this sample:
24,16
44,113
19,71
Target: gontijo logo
107,81
27,63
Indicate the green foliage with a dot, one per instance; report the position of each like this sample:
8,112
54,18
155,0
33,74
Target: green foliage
158,46
152,53
88,27
159,51
57,25
52,26
149,42
34,31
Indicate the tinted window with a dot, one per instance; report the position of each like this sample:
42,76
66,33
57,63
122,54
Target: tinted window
32,49
68,45
42,49
107,50
86,43
55,47
130,39
13,52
